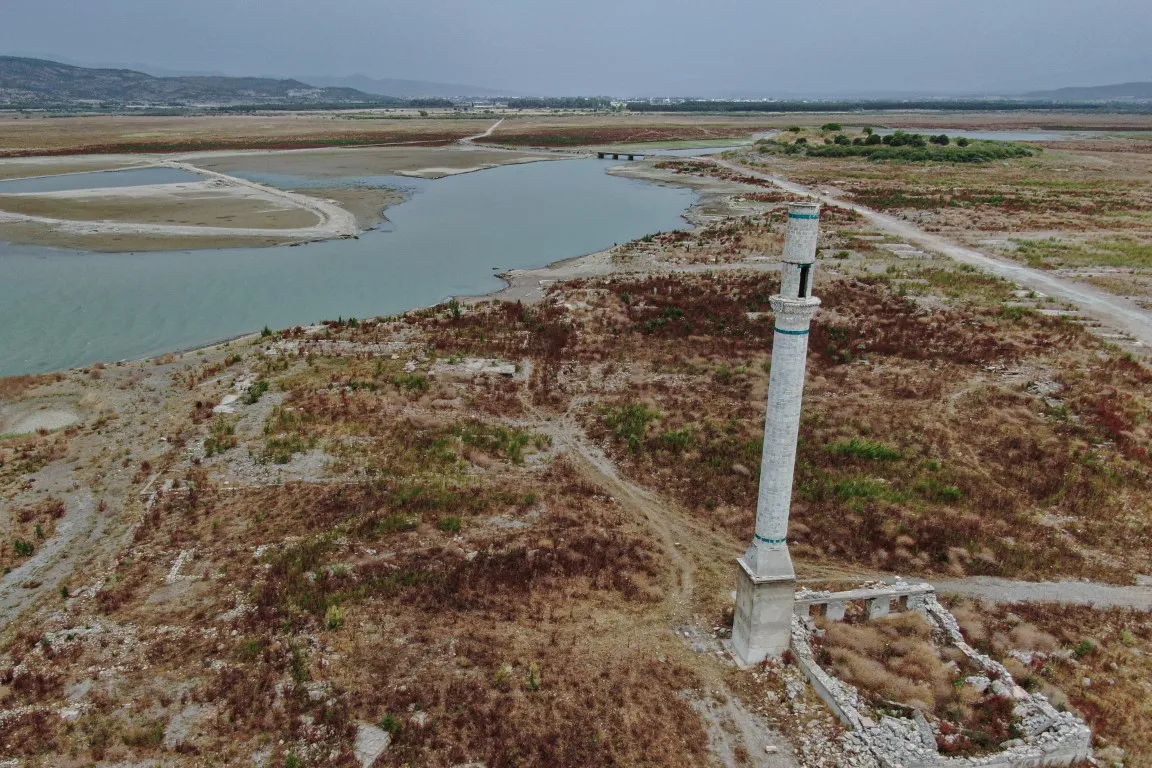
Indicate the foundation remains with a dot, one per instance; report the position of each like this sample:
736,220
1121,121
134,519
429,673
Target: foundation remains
1047,737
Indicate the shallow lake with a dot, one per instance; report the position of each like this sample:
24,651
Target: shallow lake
61,309
99,180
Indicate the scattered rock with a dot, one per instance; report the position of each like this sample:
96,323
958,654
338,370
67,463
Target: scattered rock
370,743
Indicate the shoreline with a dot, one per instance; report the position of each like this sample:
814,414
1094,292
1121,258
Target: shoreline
528,285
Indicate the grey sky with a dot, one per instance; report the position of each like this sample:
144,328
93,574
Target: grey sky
612,46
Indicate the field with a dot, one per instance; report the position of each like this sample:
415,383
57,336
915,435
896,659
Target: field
503,532
518,501
117,134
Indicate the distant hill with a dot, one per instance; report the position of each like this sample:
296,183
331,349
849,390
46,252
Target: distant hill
403,89
39,82
1118,92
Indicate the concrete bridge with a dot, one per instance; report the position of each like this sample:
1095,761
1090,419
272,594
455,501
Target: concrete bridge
619,155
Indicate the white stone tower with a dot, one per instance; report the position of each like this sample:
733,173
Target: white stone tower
767,582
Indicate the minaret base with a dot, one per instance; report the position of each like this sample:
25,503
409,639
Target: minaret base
762,627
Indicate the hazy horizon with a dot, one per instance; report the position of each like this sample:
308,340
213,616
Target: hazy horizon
725,48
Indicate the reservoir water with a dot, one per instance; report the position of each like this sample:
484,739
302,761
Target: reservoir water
99,180
61,309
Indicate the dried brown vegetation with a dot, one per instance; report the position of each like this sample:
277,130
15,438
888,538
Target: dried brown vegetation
896,663
1096,662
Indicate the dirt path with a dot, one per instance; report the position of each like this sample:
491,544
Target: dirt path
1114,311
491,129
732,726
995,590
598,469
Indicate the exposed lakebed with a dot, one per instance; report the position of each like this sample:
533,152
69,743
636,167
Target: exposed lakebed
61,309
132,177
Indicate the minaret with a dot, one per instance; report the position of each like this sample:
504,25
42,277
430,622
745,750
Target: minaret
767,582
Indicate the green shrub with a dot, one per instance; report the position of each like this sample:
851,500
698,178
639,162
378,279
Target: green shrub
859,488
509,442
1084,648
221,436
629,422
334,617
410,382
450,524
676,440
533,682
391,724
23,548
397,524
254,392
905,148
935,490
865,449
1015,312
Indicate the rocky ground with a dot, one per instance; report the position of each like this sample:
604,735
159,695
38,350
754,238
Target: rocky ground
502,533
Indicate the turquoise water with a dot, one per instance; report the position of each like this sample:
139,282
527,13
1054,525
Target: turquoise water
99,180
61,309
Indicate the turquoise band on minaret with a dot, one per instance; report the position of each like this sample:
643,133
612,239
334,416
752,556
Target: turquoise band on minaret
791,333
769,541
803,215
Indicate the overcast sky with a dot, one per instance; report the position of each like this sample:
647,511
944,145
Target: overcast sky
615,47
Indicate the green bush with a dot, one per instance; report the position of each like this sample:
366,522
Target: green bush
450,524
859,488
507,441
23,548
865,449
256,391
676,440
921,151
935,490
397,524
410,382
221,436
391,724
1084,648
629,422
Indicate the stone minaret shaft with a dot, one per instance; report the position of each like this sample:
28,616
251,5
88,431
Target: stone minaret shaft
767,580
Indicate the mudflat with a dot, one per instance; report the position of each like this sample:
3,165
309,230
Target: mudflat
368,161
189,204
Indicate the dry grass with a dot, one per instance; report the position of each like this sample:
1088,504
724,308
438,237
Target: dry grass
13,387
1097,662
27,529
895,660
111,134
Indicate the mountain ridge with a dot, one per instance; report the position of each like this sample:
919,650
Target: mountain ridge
42,82
1134,91
403,89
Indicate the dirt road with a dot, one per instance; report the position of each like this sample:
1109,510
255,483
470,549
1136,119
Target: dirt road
491,129
1114,311
995,590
